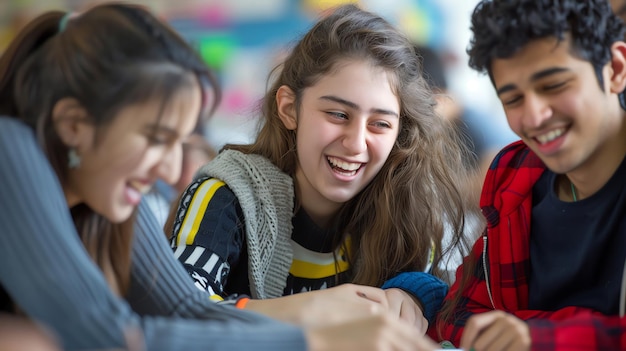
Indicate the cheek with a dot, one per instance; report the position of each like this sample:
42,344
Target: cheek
122,152
514,120
136,162
135,158
381,147
313,136
568,104
577,107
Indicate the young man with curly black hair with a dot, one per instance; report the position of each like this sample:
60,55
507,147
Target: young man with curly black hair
548,274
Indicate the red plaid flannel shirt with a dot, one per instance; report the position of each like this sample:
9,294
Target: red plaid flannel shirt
506,203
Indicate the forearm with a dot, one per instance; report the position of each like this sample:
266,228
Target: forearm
47,272
222,334
476,304
583,331
286,308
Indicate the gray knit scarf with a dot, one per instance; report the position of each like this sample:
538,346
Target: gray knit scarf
266,197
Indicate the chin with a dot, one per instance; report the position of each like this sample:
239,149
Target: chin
340,198
558,167
119,215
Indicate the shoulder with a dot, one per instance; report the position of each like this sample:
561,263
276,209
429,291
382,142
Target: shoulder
250,176
14,129
206,194
208,209
208,189
233,164
509,181
516,155
18,143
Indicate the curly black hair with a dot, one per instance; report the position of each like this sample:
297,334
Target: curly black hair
502,27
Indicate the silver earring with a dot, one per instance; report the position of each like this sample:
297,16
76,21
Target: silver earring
73,160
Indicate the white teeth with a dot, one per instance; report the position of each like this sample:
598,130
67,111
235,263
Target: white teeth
140,187
346,166
548,137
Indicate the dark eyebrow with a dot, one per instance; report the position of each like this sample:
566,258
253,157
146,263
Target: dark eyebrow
352,105
159,128
533,78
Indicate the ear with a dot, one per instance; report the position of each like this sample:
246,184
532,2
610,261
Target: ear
70,121
617,80
286,103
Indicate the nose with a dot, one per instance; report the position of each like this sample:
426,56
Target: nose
355,138
169,168
536,111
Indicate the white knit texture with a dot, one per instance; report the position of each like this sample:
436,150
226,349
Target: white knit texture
266,196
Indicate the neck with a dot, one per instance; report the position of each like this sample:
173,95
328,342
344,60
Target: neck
71,199
600,166
318,213
320,209
566,190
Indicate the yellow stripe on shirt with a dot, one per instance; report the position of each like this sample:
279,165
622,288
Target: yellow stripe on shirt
196,210
315,265
308,270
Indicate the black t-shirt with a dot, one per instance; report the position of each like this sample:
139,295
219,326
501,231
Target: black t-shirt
217,258
578,249
307,235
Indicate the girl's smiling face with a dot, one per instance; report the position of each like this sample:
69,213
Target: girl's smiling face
346,126
142,144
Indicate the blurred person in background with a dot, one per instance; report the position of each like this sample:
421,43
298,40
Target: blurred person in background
197,151
478,139
474,138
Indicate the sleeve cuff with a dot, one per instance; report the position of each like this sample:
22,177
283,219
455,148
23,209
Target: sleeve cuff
425,287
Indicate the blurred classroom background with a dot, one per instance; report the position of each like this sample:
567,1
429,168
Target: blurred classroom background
242,40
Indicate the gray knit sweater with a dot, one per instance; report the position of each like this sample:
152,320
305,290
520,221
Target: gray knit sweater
47,272
266,196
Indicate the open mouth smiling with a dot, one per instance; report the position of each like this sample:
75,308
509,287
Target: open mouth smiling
550,136
343,167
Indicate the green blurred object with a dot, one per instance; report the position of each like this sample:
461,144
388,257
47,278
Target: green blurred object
447,345
216,49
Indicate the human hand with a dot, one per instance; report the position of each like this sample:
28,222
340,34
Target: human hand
496,331
324,307
405,306
379,332
21,333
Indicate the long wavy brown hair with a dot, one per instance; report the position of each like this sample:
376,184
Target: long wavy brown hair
107,58
418,195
